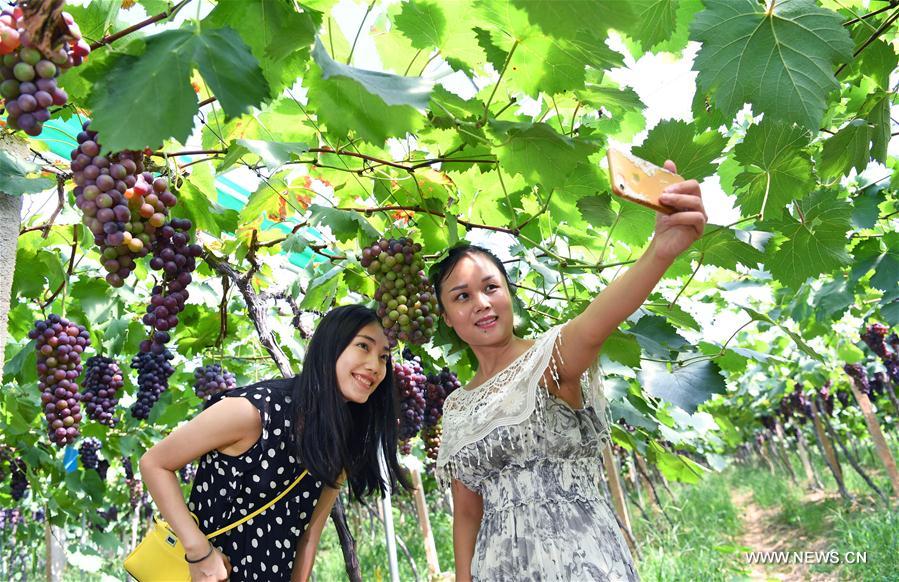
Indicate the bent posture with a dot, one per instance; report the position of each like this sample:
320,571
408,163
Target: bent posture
333,420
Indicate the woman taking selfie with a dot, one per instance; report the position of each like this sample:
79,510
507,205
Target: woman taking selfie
521,442
329,423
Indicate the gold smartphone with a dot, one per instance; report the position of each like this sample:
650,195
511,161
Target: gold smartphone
639,181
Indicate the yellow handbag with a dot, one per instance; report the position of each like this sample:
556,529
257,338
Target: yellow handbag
159,557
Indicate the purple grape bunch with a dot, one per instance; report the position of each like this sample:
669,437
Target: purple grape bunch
102,468
102,381
88,453
122,205
187,473
153,371
885,346
859,376
438,387
18,479
410,380
176,257
212,379
28,77
407,305
59,345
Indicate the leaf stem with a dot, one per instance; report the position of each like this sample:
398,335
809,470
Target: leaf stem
359,31
498,81
885,26
142,24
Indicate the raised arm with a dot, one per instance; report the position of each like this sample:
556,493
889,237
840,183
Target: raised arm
584,335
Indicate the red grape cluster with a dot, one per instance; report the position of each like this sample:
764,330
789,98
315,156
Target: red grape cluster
797,404
406,302
102,381
212,379
187,473
153,371
29,76
18,479
176,257
859,376
877,383
410,381
88,453
826,398
123,205
875,335
59,347
768,421
438,386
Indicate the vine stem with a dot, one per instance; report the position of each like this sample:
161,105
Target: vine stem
684,288
885,26
142,24
498,81
359,31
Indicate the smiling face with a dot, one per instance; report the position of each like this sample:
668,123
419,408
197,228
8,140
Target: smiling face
476,301
363,364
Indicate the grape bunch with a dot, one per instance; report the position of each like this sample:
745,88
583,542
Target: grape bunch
122,205
859,376
877,384
18,479
59,347
768,421
187,473
28,77
826,398
438,387
102,468
411,383
88,453
102,381
406,302
212,379
176,257
875,336
431,437
153,371
797,404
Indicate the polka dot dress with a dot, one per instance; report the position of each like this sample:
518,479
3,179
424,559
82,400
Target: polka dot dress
227,488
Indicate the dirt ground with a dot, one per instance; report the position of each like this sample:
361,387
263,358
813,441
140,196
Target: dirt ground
763,533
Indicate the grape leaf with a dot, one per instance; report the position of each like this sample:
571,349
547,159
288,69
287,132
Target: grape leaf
345,224
538,152
560,17
279,36
14,179
779,56
676,141
273,154
815,241
684,386
654,21
776,169
848,148
886,268
374,105
158,84
656,336
423,22
877,111
722,248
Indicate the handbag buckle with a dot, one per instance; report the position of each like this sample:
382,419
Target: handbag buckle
171,540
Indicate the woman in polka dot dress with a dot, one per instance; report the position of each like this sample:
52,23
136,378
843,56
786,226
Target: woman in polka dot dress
253,442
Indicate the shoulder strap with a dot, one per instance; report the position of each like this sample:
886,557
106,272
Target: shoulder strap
261,509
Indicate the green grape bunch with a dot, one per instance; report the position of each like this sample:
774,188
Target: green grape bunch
406,302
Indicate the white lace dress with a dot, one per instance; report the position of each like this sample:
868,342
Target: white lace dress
535,461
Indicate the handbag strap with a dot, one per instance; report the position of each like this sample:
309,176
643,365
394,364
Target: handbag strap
261,509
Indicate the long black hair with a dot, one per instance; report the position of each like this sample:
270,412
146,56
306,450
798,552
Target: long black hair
333,435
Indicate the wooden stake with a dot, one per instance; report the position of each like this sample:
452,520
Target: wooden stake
614,480
880,443
421,507
829,451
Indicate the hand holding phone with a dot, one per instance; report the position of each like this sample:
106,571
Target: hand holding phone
638,180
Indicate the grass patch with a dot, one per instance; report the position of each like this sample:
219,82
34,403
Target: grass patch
874,531
699,545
